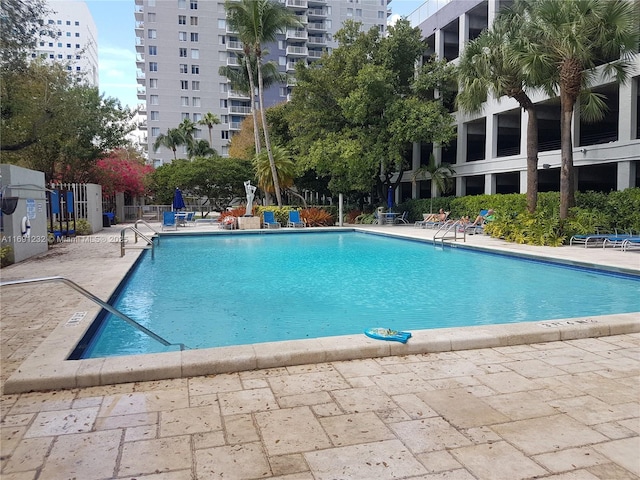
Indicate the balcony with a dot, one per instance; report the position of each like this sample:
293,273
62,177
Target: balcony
317,26
317,40
302,19
297,34
297,4
298,51
138,12
317,12
235,94
236,126
233,62
235,46
315,54
142,93
291,67
239,110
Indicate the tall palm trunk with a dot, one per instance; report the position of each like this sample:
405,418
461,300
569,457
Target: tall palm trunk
252,88
570,86
532,149
267,142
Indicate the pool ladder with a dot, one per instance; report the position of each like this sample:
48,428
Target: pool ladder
102,303
137,233
446,229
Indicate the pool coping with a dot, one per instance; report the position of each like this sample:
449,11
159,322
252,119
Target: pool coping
47,368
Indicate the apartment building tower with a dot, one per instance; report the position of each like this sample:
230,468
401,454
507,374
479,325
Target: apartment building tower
70,37
181,44
489,155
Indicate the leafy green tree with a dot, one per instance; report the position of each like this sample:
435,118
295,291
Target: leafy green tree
259,22
285,167
441,176
567,44
20,26
489,64
209,119
200,148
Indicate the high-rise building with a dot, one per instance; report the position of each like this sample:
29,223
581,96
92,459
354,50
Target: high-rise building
70,37
489,154
181,44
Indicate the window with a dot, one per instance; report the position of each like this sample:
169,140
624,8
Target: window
182,52
153,83
195,101
59,44
182,19
195,53
77,24
153,50
194,37
222,23
155,115
152,3
224,134
282,61
195,85
51,56
59,22
68,45
51,44
224,103
184,115
77,45
184,85
193,21
182,36
197,117
60,56
358,12
193,4
151,17
153,66
381,14
197,134
182,4
184,68
195,69
154,99
155,131
77,34
69,57
152,33
184,101
349,12
69,34
224,87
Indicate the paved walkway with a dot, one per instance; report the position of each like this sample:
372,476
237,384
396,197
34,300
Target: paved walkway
561,410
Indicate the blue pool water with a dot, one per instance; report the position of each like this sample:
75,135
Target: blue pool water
216,290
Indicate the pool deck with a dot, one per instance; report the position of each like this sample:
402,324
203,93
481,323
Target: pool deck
554,399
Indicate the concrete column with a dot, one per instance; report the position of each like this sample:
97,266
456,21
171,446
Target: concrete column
523,181
627,120
439,43
492,11
462,143
463,31
491,137
524,119
489,184
626,172
461,189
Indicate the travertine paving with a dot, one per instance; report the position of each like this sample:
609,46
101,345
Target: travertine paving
558,410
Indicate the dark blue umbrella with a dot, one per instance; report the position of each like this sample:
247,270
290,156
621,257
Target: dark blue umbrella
178,201
390,198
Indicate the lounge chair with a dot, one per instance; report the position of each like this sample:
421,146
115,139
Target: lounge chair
431,220
593,239
269,220
631,243
169,221
402,218
618,239
295,220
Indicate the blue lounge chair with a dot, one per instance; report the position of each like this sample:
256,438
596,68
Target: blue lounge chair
269,220
295,220
402,218
169,221
630,243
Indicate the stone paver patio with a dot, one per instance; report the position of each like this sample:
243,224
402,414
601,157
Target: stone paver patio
559,410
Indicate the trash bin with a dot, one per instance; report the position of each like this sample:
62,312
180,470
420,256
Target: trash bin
106,221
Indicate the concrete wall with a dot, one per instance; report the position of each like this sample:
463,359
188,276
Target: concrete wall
29,187
94,206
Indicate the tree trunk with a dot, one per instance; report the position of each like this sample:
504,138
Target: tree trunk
267,142
567,189
252,87
532,159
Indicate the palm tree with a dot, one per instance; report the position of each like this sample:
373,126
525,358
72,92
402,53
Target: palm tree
239,81
569,40
487,65
209,119
285,167
172,139
188,130
200,148
258,22
441,177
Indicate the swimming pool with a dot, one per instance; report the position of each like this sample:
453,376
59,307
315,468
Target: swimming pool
215,290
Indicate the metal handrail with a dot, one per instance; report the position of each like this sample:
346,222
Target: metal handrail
137,234
447,226
140,220
95,299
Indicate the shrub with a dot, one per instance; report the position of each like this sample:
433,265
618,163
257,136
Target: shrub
317,217
5,255
83,227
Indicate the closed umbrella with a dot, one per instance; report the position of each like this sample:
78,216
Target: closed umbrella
390,198
178,201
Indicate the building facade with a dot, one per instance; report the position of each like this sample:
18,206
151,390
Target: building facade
70,37
181,44
489,155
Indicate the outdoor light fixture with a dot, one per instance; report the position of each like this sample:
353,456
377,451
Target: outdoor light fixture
546,166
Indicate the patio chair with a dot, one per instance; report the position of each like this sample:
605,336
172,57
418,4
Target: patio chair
295,220
169,221
269,220
402,218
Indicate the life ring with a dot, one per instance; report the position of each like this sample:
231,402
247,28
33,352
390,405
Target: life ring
229,220
25,227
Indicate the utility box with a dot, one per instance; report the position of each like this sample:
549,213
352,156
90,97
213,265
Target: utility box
23,223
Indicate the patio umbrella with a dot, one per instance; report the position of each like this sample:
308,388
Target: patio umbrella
178,201
390,198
